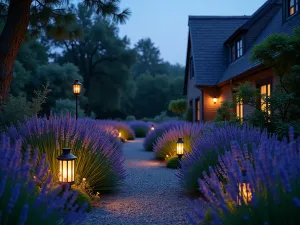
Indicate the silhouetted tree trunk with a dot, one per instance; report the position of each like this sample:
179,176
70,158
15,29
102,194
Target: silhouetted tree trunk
11,39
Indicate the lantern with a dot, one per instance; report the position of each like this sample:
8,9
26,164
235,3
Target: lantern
245,193
120,134
180,149
152,127
76,87
66,167
215,100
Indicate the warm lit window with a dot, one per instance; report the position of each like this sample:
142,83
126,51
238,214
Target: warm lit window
265,92
293,7
236,50
197,109
240,110
191,68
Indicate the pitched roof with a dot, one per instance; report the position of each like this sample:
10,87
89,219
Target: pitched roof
274,26
207,35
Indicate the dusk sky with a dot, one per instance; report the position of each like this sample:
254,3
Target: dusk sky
166,21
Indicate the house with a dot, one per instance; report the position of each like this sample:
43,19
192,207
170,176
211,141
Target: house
218,53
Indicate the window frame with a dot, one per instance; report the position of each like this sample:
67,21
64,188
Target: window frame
197,109
236,49
295,7
260,84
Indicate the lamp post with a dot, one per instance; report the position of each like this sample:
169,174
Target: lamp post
180,149
66,167
76,91
245,193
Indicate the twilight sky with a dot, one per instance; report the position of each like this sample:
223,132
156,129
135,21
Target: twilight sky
166,21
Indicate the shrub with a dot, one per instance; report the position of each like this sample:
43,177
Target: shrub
25,190
126,131
130,118
166,144
178,106
173,162
66,106
99,158
209,146
152,136
188,115
140,128
273,176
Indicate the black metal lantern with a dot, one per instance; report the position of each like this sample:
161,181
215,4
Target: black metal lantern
179,145
66,167
245,193
76,91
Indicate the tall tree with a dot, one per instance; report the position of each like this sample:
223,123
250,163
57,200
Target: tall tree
37,15
148,59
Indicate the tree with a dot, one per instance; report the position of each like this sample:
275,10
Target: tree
178,106
35,16
148,59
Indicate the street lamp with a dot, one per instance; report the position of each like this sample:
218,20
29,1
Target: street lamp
180,149
66,167
245,193
76,91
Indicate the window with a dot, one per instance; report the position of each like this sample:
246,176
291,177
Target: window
197,109
191,68
239,48
265,92
236,50
292,7
240,110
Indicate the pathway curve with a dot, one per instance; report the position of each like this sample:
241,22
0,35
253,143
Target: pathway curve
151,194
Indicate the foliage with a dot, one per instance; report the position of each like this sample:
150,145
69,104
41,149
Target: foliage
209,146
140,128
67,106
166,144
99,158
173,162
127,132
178,106
153,136
273,175
17,108
188,114
281,53
225,112
130,118
26,196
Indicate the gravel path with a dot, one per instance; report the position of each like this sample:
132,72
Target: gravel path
151,194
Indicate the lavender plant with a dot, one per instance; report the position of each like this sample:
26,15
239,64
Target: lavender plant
99,158
273,180
214,142
140,128
153,136
127,132
26,195
166,144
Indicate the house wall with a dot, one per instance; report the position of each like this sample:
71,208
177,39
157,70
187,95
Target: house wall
193,93
225,93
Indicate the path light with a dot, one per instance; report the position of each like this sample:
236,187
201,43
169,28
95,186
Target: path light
180,149
245,193
76,91
66,167
120,134
215,100
152,127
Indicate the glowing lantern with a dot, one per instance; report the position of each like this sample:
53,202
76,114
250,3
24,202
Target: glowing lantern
215,100
180,149
76,87
245,193
120,134
66,167
152,127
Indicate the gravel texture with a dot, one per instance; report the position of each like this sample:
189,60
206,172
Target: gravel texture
151,194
